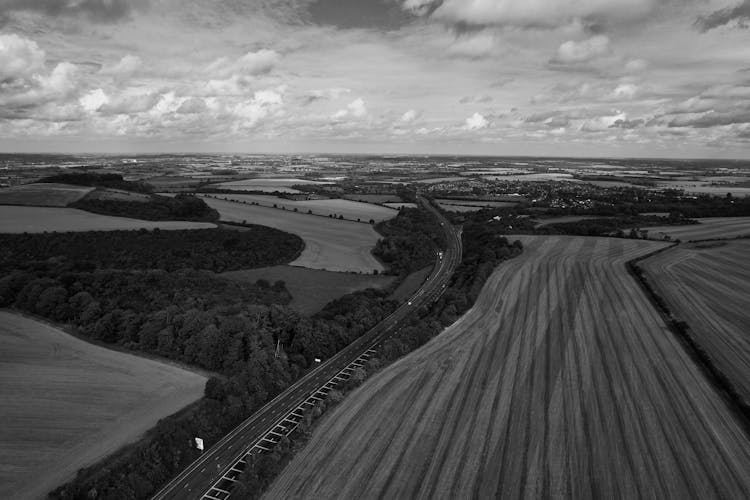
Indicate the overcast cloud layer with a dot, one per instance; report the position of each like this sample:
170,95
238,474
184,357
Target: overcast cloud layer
570,77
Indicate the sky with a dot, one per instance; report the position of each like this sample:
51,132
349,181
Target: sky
627,78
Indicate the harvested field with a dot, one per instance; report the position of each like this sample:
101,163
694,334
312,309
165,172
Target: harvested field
333,245
707,285
67,404
708,228
311,289
561,382
43,195
351,210
40,219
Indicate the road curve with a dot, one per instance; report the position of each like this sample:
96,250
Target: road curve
199,477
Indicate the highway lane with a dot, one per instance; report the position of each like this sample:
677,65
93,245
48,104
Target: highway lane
200,476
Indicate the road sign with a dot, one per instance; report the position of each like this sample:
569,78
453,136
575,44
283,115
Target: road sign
199,443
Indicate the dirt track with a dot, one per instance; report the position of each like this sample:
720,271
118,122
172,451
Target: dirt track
561,382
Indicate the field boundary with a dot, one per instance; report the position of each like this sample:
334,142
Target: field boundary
681,330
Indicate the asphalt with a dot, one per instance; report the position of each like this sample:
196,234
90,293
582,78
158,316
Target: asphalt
201,475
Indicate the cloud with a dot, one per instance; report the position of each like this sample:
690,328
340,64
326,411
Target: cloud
572,52
263,104
19,58
93,100
712,119
129,103
474,45
636,65
530,13
409,116
106,11
476,122
475,99
628,124
124,68
356,109
250,64
625,91
739,14
324,94
192,105
600,123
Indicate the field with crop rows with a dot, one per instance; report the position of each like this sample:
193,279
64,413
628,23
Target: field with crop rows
43,195
15,219
333,245
707,285
561,382
67,404
351,210
708,228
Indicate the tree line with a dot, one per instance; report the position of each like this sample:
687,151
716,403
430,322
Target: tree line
410,241
210,249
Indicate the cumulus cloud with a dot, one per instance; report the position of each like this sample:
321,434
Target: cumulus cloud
356,109
409,116
250,64
625,91
468,99
572,52
600,123
96,10
628,124
19,58
324,94
476,122
124,68
93,100
739,14
193,105
530,13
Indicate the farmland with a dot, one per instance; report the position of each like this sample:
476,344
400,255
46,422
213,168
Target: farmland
707,285
561,382
67,403
374,198
311,289
15,219
333,245
268,185
352,210
43,195
708,228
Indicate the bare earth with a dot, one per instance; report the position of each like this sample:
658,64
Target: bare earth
561,382
40,219
333,245
708,287
67,404
709,228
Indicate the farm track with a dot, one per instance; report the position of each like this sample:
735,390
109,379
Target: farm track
562,381
709,289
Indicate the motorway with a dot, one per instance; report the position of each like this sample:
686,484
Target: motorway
198,478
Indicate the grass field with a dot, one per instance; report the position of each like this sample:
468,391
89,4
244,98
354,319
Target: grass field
374,198
118,195
266,184
15,219
66,403
311,289
351,210
561,382
43,195
563,219
707,285
709,228
333,245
